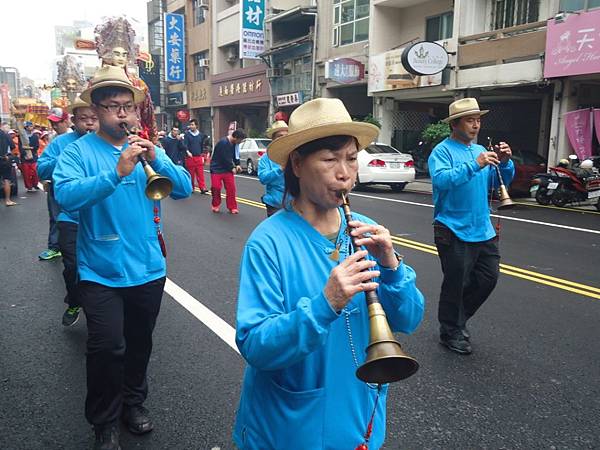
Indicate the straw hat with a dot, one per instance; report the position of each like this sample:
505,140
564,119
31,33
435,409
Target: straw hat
317,119
111,76
464,107
78,103
280,125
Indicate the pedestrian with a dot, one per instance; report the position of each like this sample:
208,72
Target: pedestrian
462,174
44,141
174,146
194,143
270,174
6,146
120,252
223,165
60,123
302,320
85,121
29,143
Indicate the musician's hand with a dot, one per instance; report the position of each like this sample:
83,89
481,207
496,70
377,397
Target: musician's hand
148,146
237,169
487,158
128,159
348,278
504,152
377,240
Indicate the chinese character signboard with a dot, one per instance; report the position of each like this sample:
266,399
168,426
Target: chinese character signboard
174,48
294,98
579,129
387,73
150,73
573,45
252,39
344,70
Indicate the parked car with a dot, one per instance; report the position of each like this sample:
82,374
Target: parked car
383,164
250,152
527,165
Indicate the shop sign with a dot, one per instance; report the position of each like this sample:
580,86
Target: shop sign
4,99
199,95
183,115
231,128
295,98
252,35
344,70
176,99
579,129
573,45
387,73
425,58
149,72
174,48
240,88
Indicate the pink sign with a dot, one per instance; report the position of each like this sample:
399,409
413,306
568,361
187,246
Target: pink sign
573,45
579,129
597,123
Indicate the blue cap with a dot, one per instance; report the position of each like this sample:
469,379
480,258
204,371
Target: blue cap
28,124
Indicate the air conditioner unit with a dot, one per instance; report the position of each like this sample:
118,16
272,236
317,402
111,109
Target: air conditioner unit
203,62
201,4
231,54
274,72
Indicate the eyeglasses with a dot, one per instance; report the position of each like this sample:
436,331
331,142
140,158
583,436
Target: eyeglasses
127,107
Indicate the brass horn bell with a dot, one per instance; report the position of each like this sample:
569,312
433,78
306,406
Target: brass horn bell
504,198
157,186
386,362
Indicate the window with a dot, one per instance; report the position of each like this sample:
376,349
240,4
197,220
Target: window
200,66
509,13
439,27
199,11
576,5
295,75
350,21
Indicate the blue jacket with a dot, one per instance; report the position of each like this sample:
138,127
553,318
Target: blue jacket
47,162
271,175
117,243
461,189
194,143
300,390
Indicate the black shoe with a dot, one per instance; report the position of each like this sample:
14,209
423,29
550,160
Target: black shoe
204,192
136,418
71,316
107,437
456,342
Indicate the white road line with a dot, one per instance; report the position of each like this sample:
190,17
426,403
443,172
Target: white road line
217,325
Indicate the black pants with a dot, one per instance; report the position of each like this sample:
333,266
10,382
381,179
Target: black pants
470,270
67,243
120,322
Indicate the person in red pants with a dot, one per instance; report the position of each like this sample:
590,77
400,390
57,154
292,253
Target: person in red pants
29,154
194,163
223,165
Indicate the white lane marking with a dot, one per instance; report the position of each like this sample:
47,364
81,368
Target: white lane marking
217,325
426,205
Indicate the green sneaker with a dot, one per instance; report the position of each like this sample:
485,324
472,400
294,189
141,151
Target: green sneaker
49,254
71,316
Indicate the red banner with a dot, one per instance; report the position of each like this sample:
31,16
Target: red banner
579,129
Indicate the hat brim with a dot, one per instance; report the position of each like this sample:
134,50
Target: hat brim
53,118
138,94
271,131
280,149
472,112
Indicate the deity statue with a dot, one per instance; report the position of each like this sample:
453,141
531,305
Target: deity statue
70,80
116,46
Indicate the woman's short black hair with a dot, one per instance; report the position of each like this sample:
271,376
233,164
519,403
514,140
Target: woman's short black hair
334,143
103,93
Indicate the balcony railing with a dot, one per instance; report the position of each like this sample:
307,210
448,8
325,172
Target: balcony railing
519,43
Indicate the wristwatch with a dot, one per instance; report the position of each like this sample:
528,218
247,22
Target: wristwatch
399,257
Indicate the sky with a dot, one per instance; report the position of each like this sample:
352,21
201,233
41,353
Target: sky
27,38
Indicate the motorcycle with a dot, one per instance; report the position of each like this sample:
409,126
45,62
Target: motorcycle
542,187
576,186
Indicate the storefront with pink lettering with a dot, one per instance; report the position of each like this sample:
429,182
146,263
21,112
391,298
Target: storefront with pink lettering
572,64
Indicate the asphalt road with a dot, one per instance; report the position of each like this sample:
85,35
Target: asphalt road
532,381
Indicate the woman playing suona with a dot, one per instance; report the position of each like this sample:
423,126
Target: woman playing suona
302,320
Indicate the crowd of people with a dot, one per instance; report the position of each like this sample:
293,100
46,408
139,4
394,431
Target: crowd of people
301,332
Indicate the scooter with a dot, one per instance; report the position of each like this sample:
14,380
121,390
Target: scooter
542,187
576,186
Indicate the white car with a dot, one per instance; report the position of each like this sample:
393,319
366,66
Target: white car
383,164
250,152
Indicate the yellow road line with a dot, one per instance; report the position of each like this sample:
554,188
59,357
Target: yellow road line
540,278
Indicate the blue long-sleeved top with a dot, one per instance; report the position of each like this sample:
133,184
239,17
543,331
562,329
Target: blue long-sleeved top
461,188
47,162
224,157
271,176
300,390
194,142
174,148
117,243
